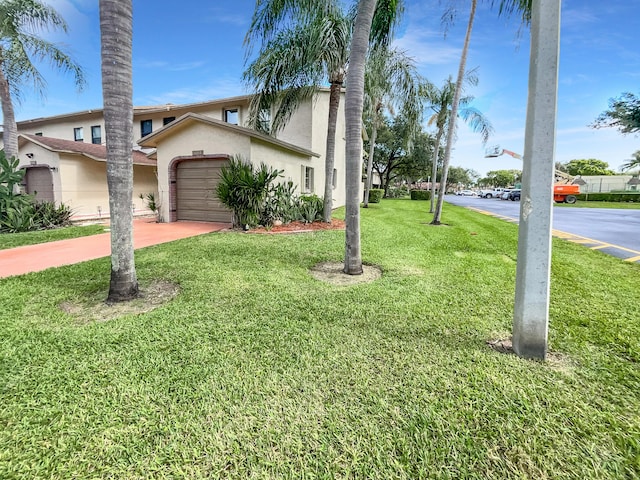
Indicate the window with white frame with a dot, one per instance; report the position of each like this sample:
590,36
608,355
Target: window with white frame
78,136
307,179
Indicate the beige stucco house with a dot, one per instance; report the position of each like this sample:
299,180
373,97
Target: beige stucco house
181,149
75,173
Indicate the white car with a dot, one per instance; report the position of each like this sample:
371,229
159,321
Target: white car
467,193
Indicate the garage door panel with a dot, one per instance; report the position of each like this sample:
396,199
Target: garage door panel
196,184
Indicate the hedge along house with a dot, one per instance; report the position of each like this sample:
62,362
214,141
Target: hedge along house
191,152
75,173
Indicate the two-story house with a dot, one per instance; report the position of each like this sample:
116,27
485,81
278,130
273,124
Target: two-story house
178,153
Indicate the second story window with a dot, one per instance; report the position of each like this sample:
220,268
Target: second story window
146,127
78,136
96,135
166,120
231,115
264,120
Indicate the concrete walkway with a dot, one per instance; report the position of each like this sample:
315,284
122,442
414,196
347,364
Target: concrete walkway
34,258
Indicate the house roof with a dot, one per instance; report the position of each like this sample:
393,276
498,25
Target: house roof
151,140
95,152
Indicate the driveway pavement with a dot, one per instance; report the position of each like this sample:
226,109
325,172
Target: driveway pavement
34,258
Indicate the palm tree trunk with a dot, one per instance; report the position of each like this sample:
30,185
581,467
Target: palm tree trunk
434,169
372,148
116,27
353,118
10,129
334,105
454,116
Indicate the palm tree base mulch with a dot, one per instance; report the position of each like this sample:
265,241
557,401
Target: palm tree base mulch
300,227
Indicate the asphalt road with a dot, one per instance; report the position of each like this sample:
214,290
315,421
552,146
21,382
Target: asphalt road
613,231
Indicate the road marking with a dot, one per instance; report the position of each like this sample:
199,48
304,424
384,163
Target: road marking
570,237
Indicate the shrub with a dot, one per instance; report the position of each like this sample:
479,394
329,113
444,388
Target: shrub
397,192
311,208
610,197
244,190
375,195
420,195
48,215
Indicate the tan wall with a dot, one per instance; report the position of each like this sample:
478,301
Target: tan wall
604,183
42,157
84,186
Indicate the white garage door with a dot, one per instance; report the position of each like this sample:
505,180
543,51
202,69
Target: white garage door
195,191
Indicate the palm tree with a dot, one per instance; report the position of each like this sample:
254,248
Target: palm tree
292,65
506,7
454,114
632,163
20,21
116,32
440,100
391,81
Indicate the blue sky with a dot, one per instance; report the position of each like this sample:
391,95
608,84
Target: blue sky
191,51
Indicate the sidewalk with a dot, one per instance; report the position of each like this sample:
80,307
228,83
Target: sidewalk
34,258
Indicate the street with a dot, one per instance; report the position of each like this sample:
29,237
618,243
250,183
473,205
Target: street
612,231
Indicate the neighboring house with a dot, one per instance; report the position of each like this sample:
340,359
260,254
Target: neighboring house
190,142
75,173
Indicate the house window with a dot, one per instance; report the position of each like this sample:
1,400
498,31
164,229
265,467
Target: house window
264,120
146,127
38,134
231,116
96,134
166,120
334,180
307,179
78,135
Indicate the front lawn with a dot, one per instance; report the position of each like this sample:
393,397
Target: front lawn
11,240
616,205
258,370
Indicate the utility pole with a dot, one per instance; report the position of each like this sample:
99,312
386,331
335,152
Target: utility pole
531,313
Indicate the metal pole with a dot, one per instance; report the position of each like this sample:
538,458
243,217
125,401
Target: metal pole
531,313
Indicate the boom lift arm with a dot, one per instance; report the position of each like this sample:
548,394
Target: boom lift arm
563,192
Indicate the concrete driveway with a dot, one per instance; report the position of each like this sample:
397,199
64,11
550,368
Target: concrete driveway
34,258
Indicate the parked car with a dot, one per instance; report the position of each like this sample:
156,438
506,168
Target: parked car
505,194
486,194
467,193
514,195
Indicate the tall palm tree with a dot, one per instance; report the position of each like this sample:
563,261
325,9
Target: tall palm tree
440,100
391,82
20,47
506,7
454,114
292,65
116,33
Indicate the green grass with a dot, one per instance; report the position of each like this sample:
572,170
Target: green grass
257,370
617,205
11,240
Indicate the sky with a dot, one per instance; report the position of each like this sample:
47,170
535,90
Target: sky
192,50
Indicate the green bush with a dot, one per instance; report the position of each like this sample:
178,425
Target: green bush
48,215
245,190
610,197
397,192
311,208
375,195
420,195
